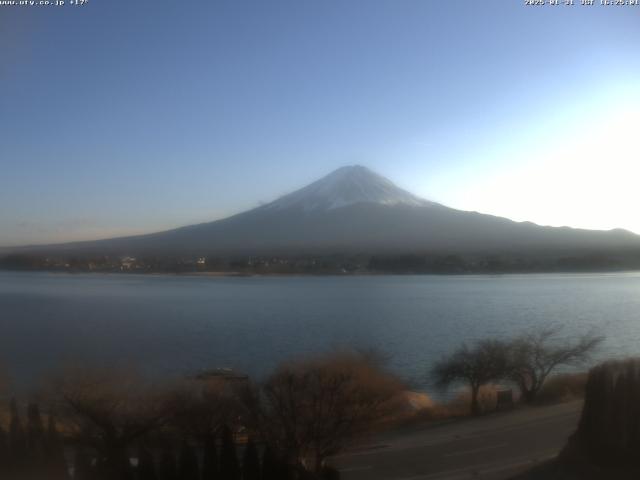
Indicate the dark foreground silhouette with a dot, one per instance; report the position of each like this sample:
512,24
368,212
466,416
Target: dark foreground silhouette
111,425
607,441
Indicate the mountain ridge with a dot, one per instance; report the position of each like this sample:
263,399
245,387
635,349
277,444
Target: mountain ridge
350,210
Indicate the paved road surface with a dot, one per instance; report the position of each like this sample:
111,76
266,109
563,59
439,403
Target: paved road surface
493,447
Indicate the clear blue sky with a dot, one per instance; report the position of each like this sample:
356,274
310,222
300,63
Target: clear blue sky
126,116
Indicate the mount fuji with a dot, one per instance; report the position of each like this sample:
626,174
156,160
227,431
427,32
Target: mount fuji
347,186
354,210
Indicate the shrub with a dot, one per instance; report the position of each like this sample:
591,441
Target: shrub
563,388
311,410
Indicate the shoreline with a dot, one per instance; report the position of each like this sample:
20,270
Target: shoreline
236,274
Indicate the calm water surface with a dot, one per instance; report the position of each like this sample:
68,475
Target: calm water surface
173,325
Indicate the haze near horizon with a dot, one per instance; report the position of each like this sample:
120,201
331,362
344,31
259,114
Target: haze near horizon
125,119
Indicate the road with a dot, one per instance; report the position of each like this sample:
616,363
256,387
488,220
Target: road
493,447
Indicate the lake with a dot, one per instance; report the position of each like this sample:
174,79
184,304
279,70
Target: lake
172,325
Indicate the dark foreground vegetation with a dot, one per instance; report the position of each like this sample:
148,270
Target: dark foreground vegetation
328,264
104,424
107,425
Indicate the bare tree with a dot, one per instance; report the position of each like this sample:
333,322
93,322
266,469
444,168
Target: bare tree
312,409
535,355
201,407
485,361
108,410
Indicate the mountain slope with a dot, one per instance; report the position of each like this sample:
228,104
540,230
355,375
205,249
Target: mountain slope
354,210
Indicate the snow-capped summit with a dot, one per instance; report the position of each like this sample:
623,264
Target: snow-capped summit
347,186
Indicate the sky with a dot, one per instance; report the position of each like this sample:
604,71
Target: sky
121,117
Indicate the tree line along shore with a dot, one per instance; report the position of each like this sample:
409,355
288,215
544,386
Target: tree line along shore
328,264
